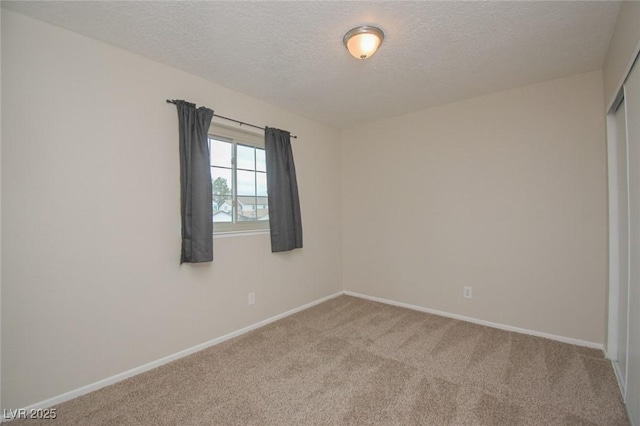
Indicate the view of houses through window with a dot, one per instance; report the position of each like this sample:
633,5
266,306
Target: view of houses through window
239,182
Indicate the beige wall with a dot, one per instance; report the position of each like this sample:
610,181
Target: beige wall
505,193
90,212
622,48
0,212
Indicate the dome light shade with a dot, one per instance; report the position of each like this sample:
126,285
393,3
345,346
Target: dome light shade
362,42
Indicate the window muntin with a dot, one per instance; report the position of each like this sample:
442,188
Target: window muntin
239,181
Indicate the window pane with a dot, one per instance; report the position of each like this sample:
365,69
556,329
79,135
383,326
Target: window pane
261,181
220,152
262,208
246,209
221,203
261,162
239,183
222,209
246,157
221,181
246,183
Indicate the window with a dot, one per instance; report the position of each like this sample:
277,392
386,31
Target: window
239,181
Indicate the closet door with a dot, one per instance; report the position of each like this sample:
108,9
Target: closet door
632,99
623,241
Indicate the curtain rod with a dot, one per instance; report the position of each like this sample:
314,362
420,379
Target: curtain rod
242,123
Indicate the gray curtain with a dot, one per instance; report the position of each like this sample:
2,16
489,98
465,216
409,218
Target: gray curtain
195,183
284,204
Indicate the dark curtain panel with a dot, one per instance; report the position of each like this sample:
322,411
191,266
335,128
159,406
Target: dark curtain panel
195,183
284,204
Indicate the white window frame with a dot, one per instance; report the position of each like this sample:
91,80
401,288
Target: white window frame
237,137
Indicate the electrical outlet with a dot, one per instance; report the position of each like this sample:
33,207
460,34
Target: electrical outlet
466,292
252,298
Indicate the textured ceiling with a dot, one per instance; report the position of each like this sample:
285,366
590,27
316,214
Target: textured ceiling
291,54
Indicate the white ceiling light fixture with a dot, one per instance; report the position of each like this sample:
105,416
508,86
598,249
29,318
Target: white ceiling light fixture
362,42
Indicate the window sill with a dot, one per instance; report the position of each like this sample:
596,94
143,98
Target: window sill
229,234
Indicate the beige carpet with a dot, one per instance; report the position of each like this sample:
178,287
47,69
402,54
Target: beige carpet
351,361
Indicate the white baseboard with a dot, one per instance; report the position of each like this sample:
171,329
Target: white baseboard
154,364
479,321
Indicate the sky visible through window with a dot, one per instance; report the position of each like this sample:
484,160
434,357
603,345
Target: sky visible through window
249,161
250,181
